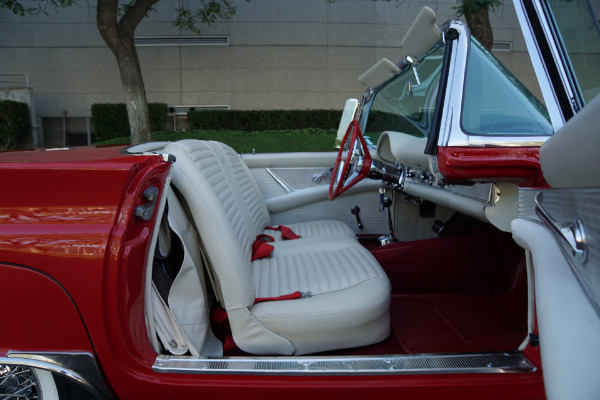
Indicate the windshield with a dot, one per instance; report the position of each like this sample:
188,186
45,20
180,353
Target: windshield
395,107
496,103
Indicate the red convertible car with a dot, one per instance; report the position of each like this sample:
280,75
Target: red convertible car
459,257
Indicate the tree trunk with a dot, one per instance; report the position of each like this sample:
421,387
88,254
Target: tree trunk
481,28
135,93
119,37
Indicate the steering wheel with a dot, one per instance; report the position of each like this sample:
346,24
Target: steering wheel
357,164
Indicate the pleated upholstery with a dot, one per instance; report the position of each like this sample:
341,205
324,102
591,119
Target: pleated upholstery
323,228
248,189
203,156
346,292
347,265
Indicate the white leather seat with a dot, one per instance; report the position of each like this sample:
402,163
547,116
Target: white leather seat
350,293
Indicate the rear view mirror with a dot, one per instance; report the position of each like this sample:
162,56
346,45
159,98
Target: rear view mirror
410,85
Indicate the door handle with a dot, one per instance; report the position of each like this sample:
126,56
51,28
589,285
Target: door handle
572,232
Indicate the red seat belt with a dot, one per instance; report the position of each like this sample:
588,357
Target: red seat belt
291,296
260,247
286,233
220,317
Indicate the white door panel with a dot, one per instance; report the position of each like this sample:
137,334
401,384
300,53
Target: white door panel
566,291
293,196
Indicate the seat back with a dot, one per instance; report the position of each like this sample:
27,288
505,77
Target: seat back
220,214
228,211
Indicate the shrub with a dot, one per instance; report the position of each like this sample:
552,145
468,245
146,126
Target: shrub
158,116
310,139
15,123
262,120
110,120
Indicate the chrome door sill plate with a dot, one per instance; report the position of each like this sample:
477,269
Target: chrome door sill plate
396,364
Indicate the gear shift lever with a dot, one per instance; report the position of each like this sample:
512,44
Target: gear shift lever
356,210
386,202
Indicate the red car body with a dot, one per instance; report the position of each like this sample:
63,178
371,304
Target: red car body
75,252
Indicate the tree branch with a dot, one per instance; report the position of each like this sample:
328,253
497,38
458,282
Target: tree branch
106,21
138,11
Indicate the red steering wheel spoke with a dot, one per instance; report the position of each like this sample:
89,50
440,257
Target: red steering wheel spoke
347,173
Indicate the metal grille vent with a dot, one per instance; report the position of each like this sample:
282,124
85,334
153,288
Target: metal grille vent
182,41
182,110
502,46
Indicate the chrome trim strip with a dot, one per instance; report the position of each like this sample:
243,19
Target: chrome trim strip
80,368
455,84
280,181
504,141
389,365
538,64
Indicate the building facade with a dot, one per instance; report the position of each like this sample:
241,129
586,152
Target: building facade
274,54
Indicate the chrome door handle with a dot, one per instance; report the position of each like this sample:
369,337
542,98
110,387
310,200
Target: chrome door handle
572,232
317,178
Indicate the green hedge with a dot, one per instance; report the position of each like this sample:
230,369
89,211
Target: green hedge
380,121
263,120
158,116
110,120
15,123
309,139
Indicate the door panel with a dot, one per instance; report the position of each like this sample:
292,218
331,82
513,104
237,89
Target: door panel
286,182
567,290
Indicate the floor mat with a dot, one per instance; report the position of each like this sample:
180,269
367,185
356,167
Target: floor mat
482,262
452,323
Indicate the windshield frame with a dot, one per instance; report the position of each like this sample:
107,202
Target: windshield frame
412,69
446,127
451,131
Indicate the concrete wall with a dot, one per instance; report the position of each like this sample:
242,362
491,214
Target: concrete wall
283,54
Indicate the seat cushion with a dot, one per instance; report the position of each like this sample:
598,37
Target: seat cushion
349,294
324,228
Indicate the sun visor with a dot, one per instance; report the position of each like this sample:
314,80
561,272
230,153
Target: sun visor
379,73
422,35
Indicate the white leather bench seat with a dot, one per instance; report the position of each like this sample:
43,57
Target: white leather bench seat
348,303
350,293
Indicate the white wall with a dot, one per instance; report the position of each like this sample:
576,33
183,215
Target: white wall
283,54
